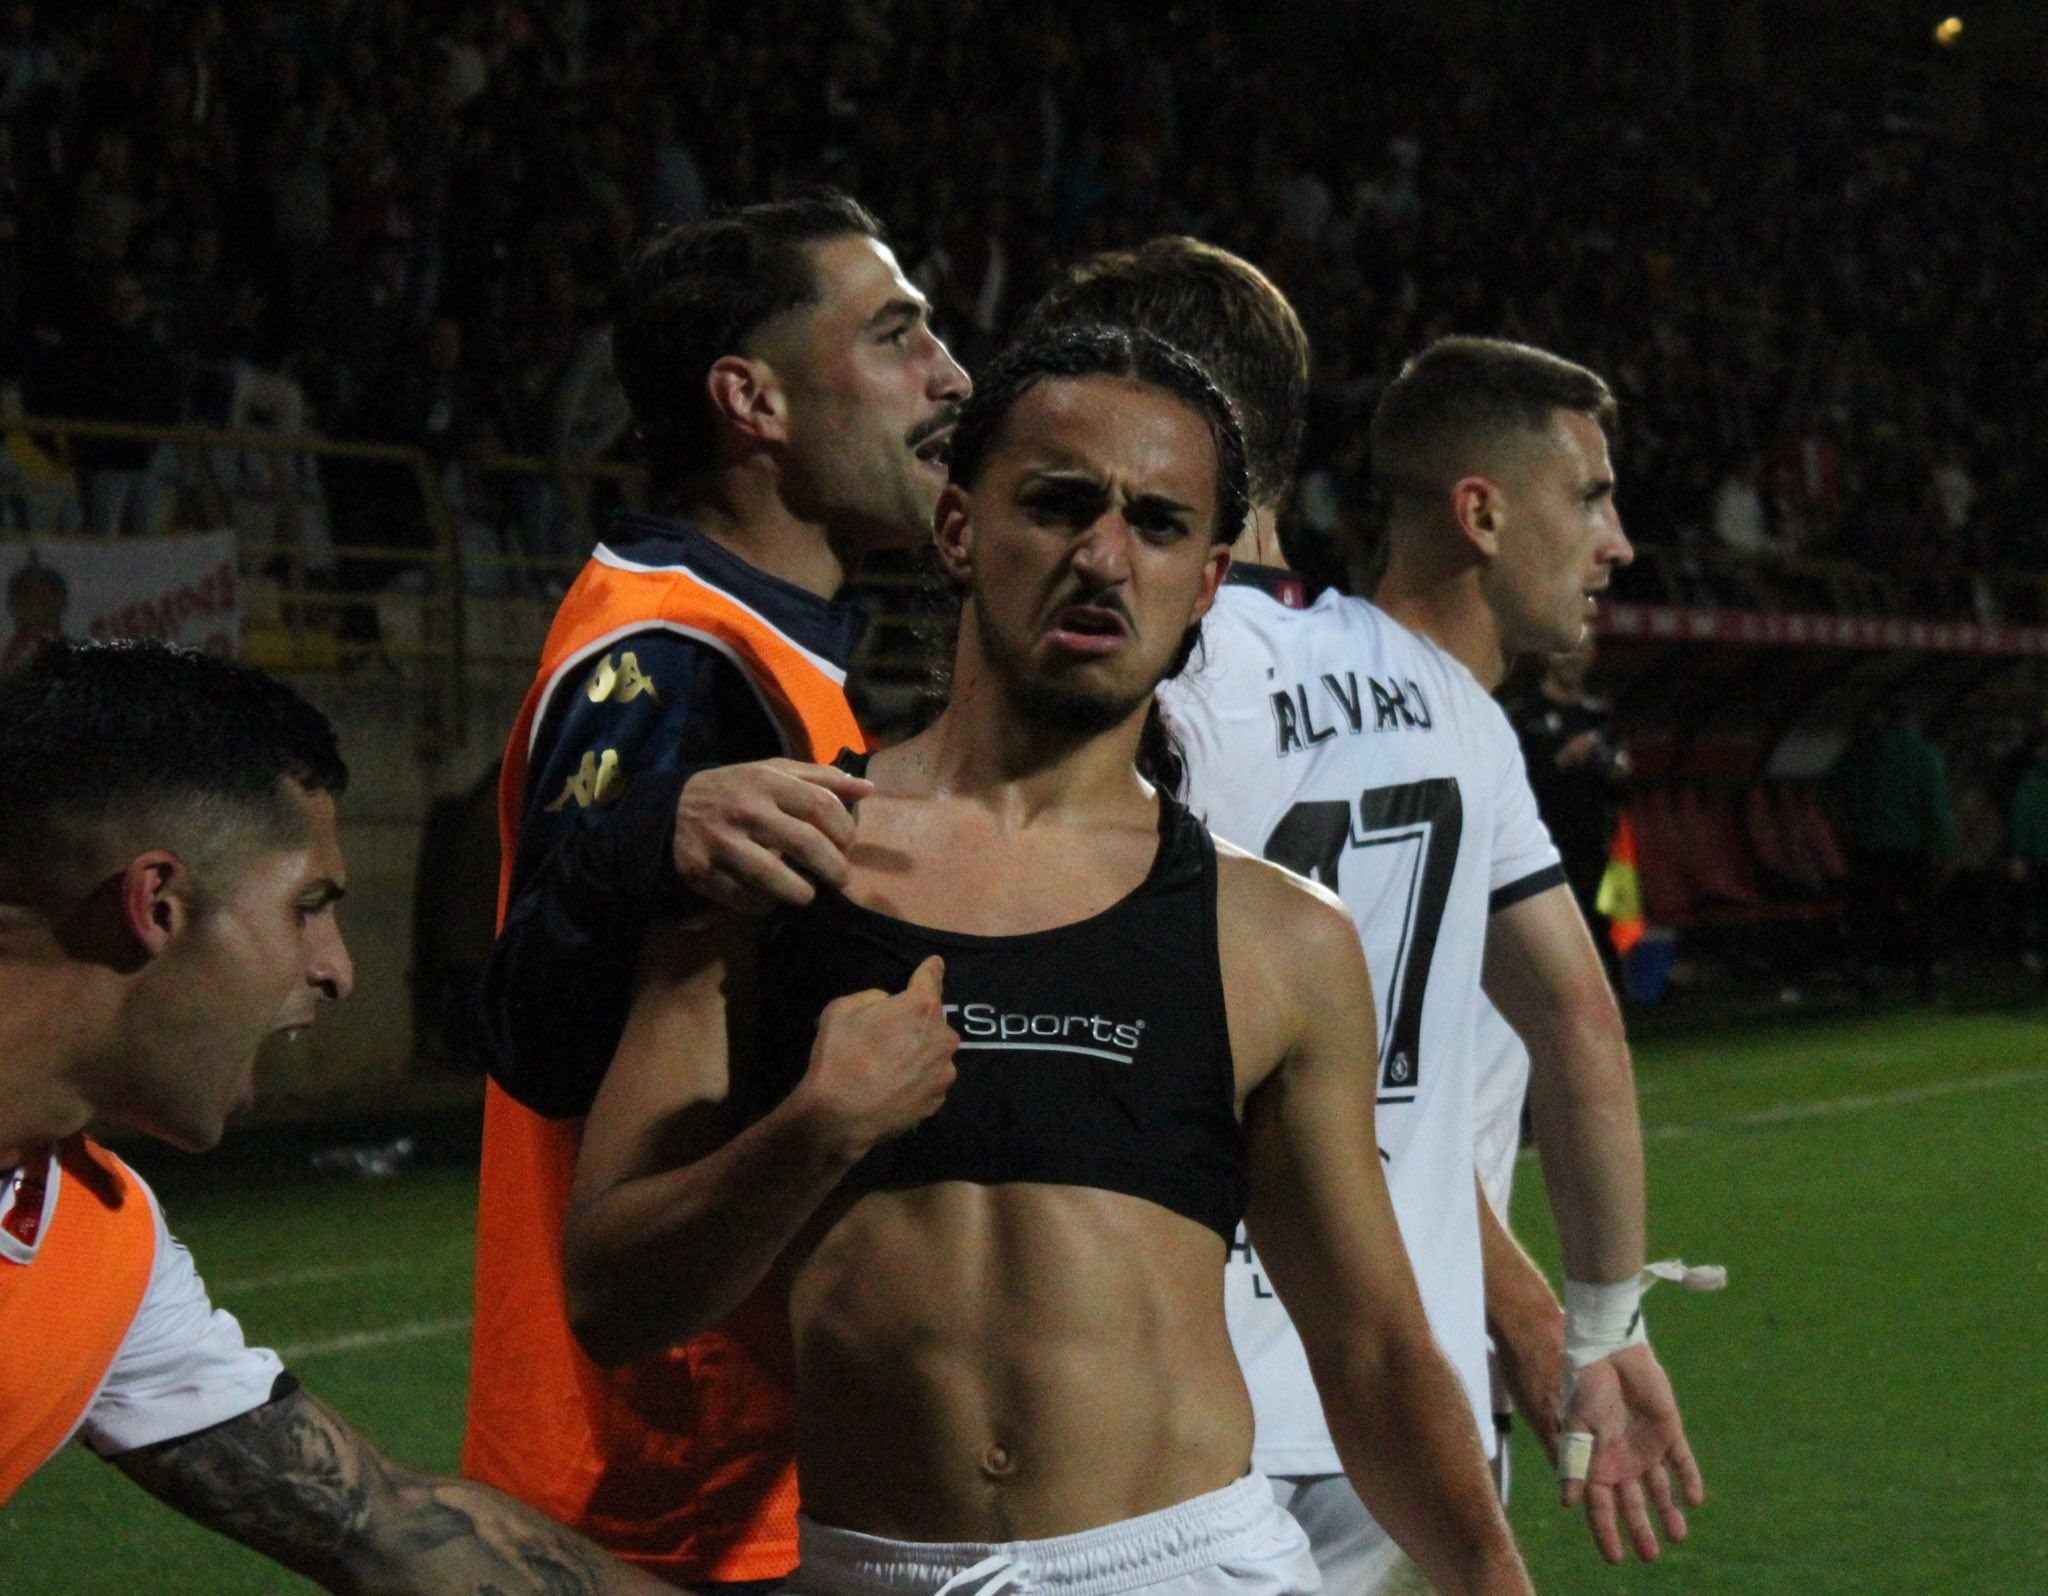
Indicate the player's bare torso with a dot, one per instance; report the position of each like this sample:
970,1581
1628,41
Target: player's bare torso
1016,1361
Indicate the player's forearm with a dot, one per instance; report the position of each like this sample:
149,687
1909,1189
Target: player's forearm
1526,1322
294,1481
1404,1431
427,1537
656,1260
1519,1300
1583,1101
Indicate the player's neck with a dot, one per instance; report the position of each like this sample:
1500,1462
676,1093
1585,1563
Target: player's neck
40,1033
1259,542
1446,604
985,749
742,511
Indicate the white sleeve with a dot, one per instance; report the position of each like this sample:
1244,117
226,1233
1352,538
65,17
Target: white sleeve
183,1366
1525,860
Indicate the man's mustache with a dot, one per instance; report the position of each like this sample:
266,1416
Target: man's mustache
925,431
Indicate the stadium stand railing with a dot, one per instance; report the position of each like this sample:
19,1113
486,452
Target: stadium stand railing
416,575
359,555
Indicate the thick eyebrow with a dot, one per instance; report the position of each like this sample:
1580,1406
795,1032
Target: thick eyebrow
915,309
1158,504
1071,477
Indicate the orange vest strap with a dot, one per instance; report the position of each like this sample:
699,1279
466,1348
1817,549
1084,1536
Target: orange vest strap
65,1313
804,696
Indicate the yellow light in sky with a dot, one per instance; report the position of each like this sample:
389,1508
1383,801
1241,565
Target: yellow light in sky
1948,30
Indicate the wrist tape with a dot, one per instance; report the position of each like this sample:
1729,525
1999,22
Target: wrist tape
1600,1320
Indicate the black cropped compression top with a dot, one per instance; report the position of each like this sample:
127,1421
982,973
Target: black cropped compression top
1092,1054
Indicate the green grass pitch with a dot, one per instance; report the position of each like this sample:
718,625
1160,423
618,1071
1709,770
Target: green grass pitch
1868,1398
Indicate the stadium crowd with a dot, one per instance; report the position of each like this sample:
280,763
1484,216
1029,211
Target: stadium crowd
1824,336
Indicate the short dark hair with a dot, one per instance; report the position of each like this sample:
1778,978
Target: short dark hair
1221,309
95,734
1129,353
693,293
1465,392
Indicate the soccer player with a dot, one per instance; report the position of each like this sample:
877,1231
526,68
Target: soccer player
1282,771
1002,1239
796,406
1492,458
168,875
1389,772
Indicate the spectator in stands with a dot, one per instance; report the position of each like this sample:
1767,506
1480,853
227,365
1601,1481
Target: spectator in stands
36,599
1895,824
1758,271
1954,489
1579,774
2029,857
114,370
1740,520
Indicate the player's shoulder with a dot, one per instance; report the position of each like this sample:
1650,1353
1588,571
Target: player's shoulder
638,660
632,682
1450,680
1286,910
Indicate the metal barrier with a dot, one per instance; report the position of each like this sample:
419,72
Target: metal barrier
352,554
357,554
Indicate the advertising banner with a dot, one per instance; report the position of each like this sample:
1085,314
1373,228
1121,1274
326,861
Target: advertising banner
181,588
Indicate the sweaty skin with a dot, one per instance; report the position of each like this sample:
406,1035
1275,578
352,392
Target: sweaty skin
1052,1357
1013,1362
989,1363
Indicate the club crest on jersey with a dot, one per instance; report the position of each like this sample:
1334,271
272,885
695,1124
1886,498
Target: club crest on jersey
1309,714
25,1206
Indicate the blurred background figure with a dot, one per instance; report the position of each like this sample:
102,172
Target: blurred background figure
113,369
1580,776
2029,854
1896,826
36,596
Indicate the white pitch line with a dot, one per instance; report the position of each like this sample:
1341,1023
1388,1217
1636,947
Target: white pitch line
303,1277
1830,1107
419,1330
1786,1113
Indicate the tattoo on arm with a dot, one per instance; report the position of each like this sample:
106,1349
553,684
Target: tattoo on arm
293,1481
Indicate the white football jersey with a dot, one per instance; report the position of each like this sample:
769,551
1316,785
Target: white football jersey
1336,742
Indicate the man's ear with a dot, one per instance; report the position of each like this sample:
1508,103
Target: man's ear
747,396
156,899
1213,572
953,534
1477,512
